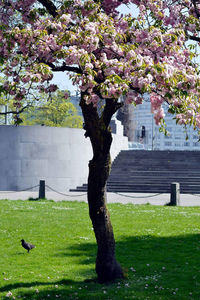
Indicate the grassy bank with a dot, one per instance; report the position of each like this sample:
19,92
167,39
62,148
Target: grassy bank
159,248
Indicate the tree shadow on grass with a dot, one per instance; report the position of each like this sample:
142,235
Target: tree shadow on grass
37,290
142,250
13,286
166,265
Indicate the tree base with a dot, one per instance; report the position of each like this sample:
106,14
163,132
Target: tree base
109,272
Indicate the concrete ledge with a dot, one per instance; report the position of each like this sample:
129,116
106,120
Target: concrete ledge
59,156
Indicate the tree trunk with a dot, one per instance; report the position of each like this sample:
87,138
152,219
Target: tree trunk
107,268
125,115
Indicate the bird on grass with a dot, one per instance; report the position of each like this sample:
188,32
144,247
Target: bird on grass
27,246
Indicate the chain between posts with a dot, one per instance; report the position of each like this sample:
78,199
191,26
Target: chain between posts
53,190
68,195
61,193
138,196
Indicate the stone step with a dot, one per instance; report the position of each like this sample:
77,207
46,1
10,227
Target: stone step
136,171
133,175
144,189
179,173
154,172
161,153
158,166
153,181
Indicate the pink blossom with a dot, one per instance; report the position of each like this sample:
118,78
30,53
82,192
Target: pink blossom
159,115
66,95
26,78
53,87
156,102
9,294
181,119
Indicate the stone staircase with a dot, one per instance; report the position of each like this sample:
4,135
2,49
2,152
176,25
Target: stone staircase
141,171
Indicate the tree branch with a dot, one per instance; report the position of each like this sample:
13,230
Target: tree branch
196,9
112,105
67,68
51,8
136,89
90,115
16,112
63,68
194,38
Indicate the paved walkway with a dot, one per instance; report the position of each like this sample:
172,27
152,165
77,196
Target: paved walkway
134,198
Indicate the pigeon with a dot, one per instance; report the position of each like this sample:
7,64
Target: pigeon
26,245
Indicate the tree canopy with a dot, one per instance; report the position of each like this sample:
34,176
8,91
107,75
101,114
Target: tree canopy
106,53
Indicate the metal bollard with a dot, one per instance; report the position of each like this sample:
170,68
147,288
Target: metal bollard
175,193
42,189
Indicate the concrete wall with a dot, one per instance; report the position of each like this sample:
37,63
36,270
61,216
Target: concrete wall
57,155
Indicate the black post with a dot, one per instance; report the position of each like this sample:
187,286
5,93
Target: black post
42,189
175,193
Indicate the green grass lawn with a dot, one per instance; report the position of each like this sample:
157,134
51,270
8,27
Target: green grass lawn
159,247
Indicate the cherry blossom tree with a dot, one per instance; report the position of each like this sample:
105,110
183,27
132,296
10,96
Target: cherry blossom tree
108,55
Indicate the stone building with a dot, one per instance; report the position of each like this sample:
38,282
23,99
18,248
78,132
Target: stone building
147,133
